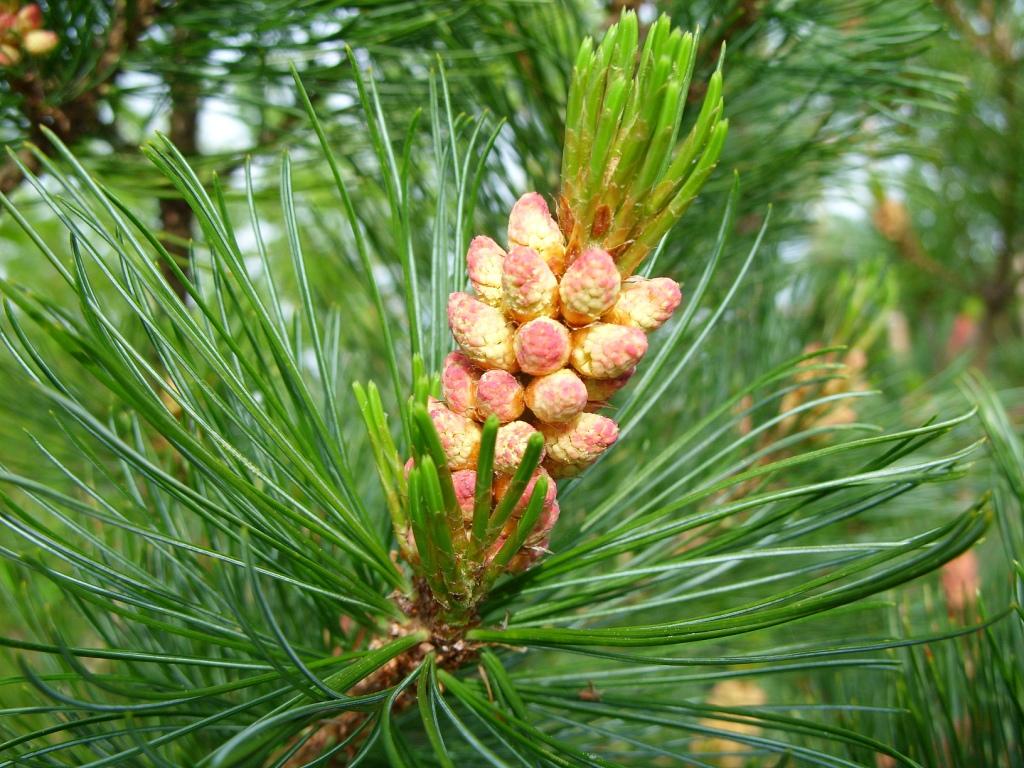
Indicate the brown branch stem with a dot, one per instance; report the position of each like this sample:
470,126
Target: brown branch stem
176,217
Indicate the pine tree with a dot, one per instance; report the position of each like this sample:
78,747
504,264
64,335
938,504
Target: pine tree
248,520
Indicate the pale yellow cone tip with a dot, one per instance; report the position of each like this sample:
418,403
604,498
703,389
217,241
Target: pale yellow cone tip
589,287
645,304
573,447
460,436
529,287
484,262
510,446
530,224
39,42
482,332
607,351
557,397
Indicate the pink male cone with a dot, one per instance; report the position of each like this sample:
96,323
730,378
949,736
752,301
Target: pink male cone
542,346
529,286
500,394
589,287
460,436
501,484
465,487
510,446
557,397
459,379
645,304
28,17
606,351
482,332
484,262
537,542
530,224
600,391
573,447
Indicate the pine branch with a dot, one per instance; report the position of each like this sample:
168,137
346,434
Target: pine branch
209,531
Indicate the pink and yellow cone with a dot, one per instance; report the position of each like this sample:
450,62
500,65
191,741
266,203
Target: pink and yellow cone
544,342
460,435
645,304
529,287
530,224
484,264
557,397
482,332
607,351
589,287
459,382
510,446
500,394
21,31
573,447
542,346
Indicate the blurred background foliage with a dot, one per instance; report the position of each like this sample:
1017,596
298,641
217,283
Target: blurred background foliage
886,136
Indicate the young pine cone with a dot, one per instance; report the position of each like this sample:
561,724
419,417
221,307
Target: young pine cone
544,342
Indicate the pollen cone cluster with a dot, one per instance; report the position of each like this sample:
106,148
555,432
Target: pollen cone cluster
544,341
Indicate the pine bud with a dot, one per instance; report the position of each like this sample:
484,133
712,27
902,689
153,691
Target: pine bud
530,224
589,287
541,346
484,261
606,351
600,391
9,55
529,286
39,42
499,393
510,446
573,447
465,489
482,332
645,303
460,436
29,17
556,397
459,379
